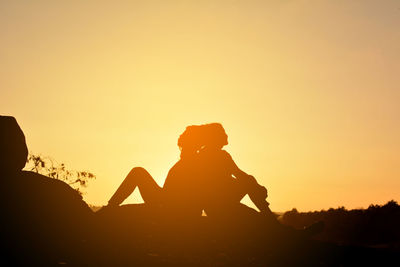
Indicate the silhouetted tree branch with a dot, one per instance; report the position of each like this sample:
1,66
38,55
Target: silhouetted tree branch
49,167
376,225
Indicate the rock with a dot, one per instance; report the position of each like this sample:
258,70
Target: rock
13,149
44,220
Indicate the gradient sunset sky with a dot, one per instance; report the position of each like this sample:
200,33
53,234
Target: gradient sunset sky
308,91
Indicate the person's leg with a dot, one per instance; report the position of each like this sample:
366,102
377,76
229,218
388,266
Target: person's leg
267,216
137,177
242,190
260,203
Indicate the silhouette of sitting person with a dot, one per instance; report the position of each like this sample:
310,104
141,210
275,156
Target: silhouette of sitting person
179,195
203,178
223,183
41,217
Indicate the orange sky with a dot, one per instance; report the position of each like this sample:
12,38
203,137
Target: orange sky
308,91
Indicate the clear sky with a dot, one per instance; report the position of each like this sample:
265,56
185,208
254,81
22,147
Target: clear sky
308,91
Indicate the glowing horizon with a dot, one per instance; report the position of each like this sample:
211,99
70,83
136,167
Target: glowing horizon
308,93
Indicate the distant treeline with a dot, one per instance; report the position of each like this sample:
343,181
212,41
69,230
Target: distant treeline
375,226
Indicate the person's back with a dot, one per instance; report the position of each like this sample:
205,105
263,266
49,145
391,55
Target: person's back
181,191
201,182
217,183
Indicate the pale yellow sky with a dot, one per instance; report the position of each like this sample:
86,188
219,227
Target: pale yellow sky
308,91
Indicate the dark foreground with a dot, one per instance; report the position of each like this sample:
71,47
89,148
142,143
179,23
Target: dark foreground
216,243
131,236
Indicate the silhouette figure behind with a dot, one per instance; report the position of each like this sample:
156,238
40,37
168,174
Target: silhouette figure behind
178,196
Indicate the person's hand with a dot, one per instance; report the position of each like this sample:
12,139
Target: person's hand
262,191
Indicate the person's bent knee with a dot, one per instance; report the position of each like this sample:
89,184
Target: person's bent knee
138,171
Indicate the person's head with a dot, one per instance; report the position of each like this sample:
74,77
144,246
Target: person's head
189,141
214,136
13,149
195,137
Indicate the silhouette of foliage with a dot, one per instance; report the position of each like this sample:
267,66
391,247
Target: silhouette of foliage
376,226
51,168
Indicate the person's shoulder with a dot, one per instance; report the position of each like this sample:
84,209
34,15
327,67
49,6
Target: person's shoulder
175,167
225,154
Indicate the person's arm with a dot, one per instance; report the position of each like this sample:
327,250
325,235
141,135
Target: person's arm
246,179
256,192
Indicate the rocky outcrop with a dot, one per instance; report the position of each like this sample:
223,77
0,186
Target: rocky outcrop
43,219
13,149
